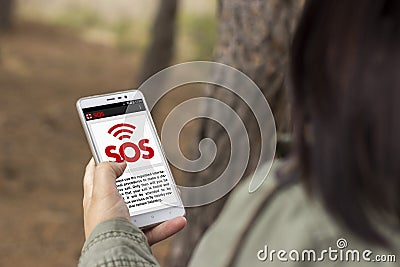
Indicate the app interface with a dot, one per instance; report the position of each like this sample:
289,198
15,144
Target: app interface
123,131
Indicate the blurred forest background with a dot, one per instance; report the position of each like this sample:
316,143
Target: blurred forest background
54,52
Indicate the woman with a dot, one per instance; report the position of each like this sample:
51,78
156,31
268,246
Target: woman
337,201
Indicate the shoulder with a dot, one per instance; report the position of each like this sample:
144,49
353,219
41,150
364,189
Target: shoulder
252,225
238,213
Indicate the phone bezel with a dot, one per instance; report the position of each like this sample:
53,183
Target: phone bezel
147,219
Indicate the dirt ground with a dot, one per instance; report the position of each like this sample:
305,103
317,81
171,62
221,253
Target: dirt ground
43,71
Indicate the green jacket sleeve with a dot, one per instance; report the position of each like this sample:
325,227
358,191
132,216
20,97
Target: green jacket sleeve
117,242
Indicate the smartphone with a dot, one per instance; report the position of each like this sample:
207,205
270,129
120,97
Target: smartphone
119,127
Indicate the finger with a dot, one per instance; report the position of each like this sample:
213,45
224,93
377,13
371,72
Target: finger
165,230
105,175
88,180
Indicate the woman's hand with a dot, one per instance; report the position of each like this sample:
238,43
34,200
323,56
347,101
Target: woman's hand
102,201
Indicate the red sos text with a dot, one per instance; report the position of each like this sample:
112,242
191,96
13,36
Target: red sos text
140,150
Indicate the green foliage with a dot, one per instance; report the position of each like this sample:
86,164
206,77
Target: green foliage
129,35
79,19
196,32
199,32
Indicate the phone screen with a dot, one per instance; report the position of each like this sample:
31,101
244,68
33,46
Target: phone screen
124,131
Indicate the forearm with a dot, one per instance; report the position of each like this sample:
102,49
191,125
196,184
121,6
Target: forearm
117,243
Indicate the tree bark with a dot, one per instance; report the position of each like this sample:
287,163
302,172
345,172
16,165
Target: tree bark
6,15
254,37
161,49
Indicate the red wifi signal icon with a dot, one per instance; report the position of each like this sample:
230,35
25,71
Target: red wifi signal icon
122,130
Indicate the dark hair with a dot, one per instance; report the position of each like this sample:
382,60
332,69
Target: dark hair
345,75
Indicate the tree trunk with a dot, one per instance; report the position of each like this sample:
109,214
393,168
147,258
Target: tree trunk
6,15
254,37
161,49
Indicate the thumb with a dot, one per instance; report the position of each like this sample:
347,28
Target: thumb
105,175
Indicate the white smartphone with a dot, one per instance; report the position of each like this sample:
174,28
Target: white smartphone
119,127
